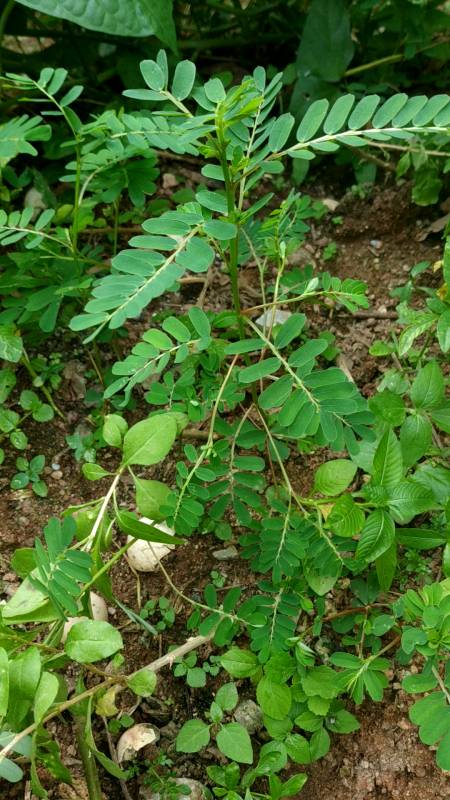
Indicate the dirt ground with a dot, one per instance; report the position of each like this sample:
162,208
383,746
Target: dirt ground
379,240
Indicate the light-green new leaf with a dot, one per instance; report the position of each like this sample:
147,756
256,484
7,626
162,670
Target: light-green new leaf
149,441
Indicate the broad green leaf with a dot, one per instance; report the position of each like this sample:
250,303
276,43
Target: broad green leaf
276,393
10,771
280,131
334,477
443,331
136,18
338,113
94,472
387,461
289,330
259,370
92,640
312,120
227,697
408,499
320,681
24,675
234,742
193,736
46,694
346,518
183,79
28,604
388,406
443,751
377,536
4,682
420,538
385,566
297,747
441,417
143,682
326,46
11,345
114,429
428,388
274,698
150,497
240,663
415,438
148,442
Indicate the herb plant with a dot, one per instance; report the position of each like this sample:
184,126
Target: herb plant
238,400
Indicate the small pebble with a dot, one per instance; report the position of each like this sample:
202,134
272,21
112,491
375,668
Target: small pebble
226,554
55,466
57,475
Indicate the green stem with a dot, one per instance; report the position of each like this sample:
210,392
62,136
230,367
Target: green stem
33,374
379,62
233,255
88,759
4,16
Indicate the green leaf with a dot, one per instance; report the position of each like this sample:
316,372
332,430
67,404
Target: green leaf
385,566
114,429
377,536
259,370
280,131
334,477
4,682
289,330
388,406
183,79
129,524
227,697
149,441
420,538
24,675
342,721
408,499
387,461
137,18
11,345
143,683
240,663
150,497
441,417
326,47
312,120
320,681
274,698
193,736
297,747
346,518
416,436
234,742
46,694
428,388
92,640
94,472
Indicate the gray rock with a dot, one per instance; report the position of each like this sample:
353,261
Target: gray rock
249,715
227,554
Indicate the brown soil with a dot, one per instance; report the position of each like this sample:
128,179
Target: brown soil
377,242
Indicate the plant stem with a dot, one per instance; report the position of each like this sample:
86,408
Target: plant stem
4,16
88,759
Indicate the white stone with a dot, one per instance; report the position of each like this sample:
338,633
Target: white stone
134,739
145,556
